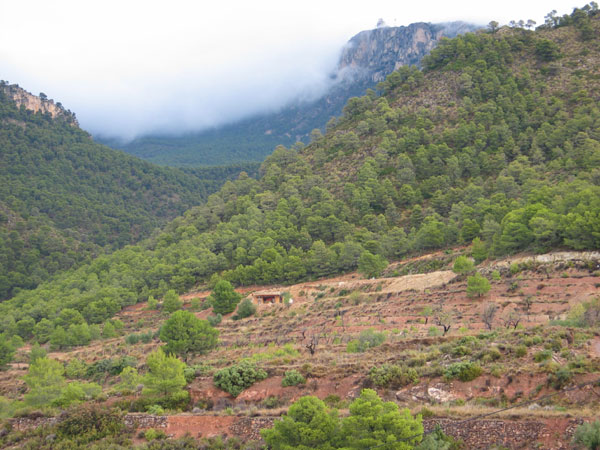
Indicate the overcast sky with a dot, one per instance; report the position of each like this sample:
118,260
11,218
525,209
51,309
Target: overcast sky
129,67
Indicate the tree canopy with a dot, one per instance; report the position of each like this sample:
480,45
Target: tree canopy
372,422
184,333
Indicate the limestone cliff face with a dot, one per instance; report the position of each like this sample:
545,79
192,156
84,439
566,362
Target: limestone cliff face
36,103
373,54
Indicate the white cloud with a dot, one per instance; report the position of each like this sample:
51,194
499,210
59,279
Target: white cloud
130,66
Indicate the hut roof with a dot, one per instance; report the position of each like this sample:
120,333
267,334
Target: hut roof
267,293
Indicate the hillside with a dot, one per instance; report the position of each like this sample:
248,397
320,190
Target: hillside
406,237
64,198
366,60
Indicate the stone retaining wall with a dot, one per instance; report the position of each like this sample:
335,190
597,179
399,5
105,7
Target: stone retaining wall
550,434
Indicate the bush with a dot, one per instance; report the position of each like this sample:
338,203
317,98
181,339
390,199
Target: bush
146,338
234,379
437,440
521,351
155,410
463,265
132,339
542,356
76,368
214,320
152,303
588,435
366,340
171,302
88,424
292,378
463,371
560,378
110,366
76,392
245,309
151,434
393,376
272,401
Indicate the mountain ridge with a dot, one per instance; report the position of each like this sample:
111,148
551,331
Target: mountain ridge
364,61
65,198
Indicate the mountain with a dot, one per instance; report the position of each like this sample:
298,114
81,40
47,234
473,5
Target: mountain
64,198
494,141
364,61
492,149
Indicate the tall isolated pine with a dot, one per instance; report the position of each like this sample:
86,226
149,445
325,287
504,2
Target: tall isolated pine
224,299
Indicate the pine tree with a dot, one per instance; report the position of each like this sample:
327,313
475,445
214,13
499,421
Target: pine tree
165,377
171,302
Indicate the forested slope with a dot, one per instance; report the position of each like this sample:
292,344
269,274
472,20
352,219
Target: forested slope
64,198
496,141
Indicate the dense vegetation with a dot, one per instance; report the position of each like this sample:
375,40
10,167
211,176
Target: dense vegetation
497,139
64,198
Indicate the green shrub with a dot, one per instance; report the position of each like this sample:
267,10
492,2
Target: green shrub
189,373
151,434
333,400
560,378
76,368
460,350
393,376
434,331
490,354
437,440
521,351
156,410
214,320
463,265
272,401
366,340
234,379
132,339
292,378
588,435
152,303
463,371
245,309
87,424
110,366
171,302
542,356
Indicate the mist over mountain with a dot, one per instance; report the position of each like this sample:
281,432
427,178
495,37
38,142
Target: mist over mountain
65,198
365,60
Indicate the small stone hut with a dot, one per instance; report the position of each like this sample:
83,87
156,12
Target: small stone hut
268,298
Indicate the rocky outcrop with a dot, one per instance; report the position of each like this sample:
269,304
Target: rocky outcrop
373,54
36,103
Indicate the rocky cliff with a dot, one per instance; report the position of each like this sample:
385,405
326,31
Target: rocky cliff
374,54
36,103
